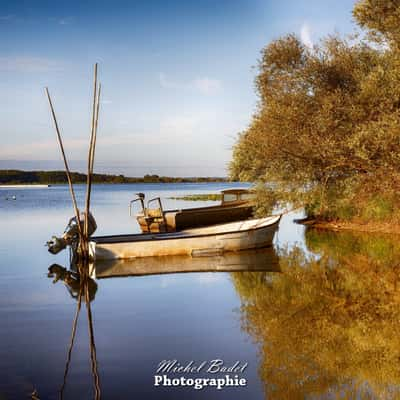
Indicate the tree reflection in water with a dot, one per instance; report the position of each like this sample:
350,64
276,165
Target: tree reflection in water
81,287
328,325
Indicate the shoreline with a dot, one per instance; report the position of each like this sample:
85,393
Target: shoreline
46,185
38,177
25,186
365,227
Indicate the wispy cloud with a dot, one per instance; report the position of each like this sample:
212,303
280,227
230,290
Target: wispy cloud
305,35
178,126
77,148
29,64
203,85
61,20
168,84
35,150
65,21
7,17
207,85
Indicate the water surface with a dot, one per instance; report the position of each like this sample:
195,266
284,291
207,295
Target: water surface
322,325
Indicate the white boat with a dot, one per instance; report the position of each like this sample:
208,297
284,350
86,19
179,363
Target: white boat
205,241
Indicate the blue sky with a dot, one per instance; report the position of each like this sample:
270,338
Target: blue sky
177,77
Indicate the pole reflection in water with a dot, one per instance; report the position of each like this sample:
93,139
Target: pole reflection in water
80,286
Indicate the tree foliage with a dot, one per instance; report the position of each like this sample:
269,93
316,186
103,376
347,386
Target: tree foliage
381,18
327,125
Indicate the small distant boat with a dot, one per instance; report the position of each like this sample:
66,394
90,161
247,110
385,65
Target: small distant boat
205,241
235,206
247,260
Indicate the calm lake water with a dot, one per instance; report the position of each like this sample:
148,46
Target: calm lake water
321,323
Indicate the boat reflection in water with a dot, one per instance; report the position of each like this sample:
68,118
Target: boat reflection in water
81,285
248,260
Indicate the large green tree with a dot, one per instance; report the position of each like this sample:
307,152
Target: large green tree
327,127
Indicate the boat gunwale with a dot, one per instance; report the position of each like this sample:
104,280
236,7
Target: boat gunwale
239,204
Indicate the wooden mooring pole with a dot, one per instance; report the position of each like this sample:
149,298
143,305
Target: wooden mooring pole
83,246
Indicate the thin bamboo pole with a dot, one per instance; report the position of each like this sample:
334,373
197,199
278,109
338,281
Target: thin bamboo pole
89,175
95,128
71,187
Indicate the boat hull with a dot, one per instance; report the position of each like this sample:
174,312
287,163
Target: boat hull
214,240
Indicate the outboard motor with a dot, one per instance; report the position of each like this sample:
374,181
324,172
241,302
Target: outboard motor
71,233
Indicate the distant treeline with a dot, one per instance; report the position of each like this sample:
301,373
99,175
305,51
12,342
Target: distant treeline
12,176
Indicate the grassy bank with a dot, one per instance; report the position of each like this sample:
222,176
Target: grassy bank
199,197
356,226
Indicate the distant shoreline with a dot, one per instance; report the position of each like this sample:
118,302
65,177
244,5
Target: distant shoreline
16,178
24,185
